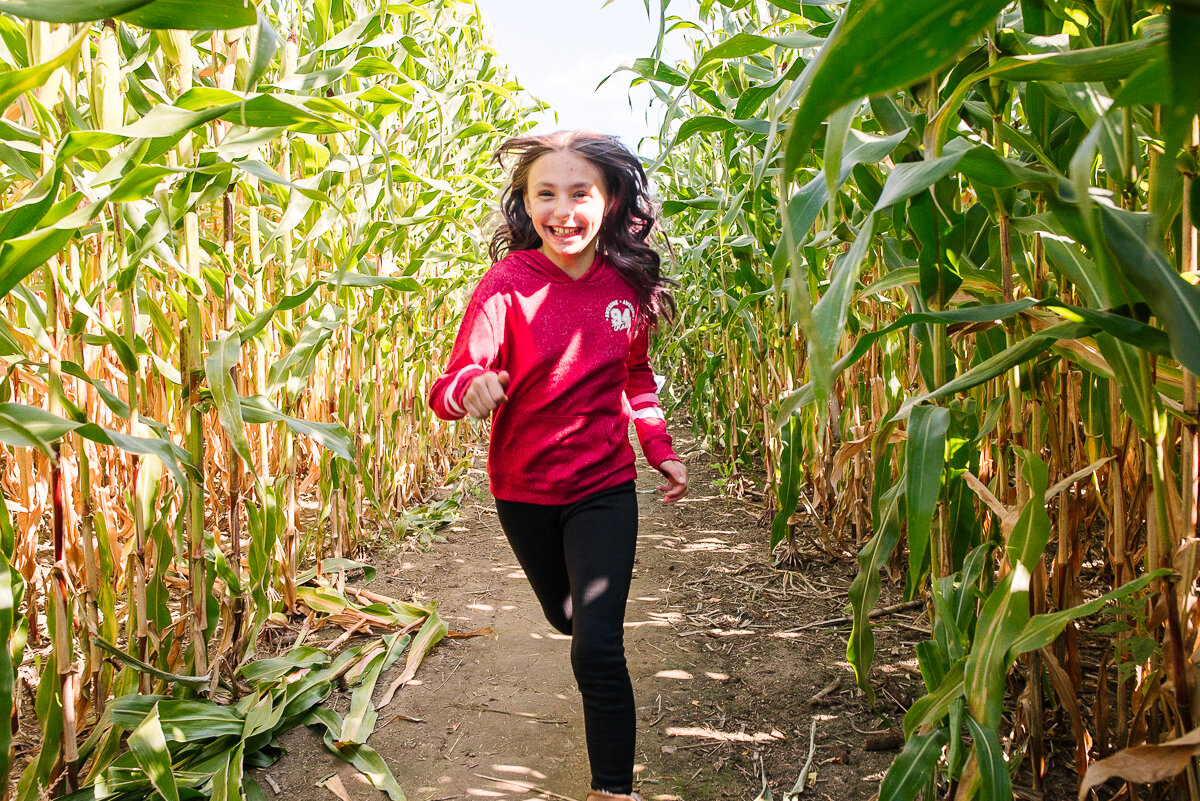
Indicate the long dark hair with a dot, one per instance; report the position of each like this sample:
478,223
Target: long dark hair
628,220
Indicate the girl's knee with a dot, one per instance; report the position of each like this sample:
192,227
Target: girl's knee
597,658
559,616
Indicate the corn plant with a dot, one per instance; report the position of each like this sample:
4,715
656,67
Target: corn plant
231,239
953,245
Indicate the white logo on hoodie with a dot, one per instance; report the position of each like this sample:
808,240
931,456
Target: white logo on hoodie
620,314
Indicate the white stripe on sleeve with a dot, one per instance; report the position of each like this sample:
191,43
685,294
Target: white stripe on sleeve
452,404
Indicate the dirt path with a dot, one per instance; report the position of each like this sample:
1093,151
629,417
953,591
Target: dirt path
722,685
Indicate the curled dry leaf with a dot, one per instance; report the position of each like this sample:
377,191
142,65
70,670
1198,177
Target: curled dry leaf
333,783
1144,764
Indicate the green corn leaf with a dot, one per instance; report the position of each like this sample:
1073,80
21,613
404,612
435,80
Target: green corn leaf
197,15
361,717
835,141
865,589
315,686
929,709
23,216
398,283
117,406
288,302
924,461
1174,300
1043,629
12,634
180,721
1095,64
1094,286
333,437
887,44
788,475
807,202
709,124
199,106
798,398
744,44
996,784
149,746
291,373
653,70
19,430
263,716
1128,330
907,179
69,10
15,83
1183,40
1006,610
227,781
984,168
22,255
266,43
264,173
914,767
431,633
34,782
269,671
223,358
325,600
194,682
342,565
1019,353
251,789
363,757
830,313
1131,370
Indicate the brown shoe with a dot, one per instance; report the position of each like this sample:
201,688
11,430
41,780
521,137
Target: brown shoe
596,795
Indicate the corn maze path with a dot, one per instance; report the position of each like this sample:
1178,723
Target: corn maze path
725,687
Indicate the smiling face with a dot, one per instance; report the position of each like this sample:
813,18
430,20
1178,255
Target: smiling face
565,198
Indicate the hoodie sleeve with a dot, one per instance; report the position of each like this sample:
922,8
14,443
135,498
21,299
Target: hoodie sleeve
641,389
476,349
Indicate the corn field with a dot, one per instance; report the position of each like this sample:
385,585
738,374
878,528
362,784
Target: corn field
224,281
938,268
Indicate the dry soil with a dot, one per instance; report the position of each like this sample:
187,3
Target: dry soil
728,684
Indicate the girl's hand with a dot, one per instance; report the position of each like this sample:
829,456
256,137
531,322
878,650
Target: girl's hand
485,393
677,484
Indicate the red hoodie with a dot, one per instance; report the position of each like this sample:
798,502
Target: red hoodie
575,352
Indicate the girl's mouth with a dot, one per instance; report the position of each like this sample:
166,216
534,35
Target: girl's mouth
565,232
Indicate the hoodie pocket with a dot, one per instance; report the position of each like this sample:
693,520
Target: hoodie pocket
556,450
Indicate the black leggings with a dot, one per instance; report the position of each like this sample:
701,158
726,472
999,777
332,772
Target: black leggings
579,559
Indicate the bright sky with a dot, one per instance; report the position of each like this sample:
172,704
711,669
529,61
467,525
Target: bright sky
560,51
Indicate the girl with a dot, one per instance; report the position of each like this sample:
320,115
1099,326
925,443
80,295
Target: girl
553,346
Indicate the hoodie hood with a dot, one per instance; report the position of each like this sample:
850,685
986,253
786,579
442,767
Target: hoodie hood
537,262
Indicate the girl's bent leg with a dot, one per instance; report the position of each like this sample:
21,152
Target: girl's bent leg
535,533
599,541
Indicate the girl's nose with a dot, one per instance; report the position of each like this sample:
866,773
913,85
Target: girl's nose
562,210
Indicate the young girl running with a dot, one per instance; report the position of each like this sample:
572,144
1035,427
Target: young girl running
553,346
